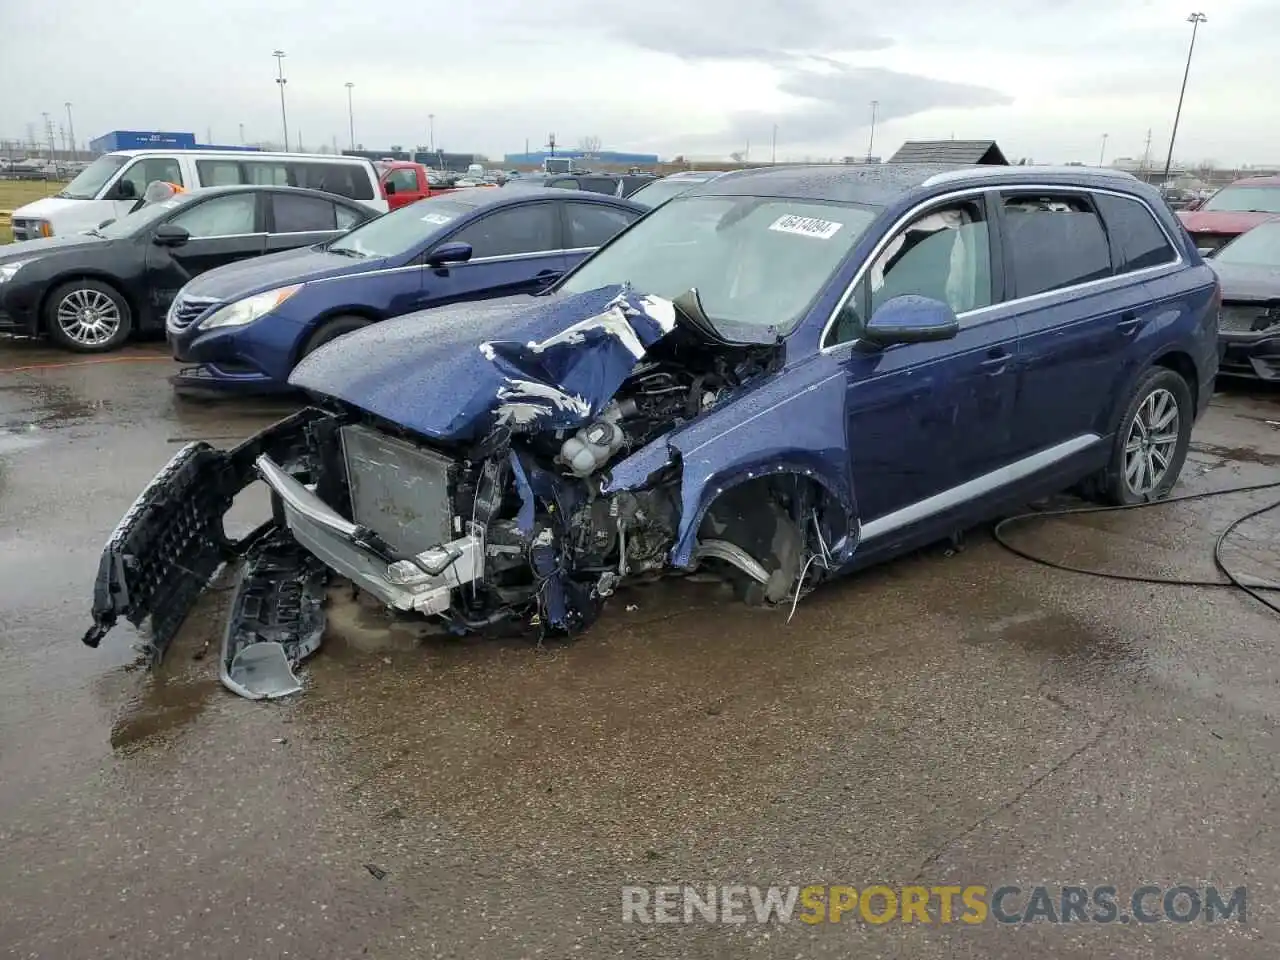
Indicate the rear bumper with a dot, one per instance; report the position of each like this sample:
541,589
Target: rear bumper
1256,356
408,584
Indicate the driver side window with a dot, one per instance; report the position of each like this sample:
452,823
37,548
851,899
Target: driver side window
944,254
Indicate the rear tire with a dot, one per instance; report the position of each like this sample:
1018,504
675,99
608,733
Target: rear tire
1150,443
330,330
88,316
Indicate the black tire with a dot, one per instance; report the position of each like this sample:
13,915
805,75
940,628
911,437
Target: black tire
331,329
1116,484
88,316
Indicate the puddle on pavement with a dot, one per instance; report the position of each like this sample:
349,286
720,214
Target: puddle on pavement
1058,636
1238,454
45,405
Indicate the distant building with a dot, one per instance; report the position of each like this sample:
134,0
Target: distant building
950,151
437,160
602,158
152,140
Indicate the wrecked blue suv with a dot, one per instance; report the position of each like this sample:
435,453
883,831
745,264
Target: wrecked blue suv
782,375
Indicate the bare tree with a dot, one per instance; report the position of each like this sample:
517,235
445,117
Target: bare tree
1205,169
589,145
737,156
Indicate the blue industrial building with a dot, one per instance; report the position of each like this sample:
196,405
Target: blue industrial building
603,156
152,140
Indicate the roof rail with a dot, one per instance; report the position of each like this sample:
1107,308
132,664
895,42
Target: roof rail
1024,173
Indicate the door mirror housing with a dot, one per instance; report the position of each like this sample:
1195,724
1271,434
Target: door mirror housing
123,190
911,319
388,188
170,235
449,253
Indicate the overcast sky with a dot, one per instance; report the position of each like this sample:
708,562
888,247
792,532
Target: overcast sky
694,77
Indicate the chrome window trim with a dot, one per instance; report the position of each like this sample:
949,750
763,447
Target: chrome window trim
924,205
973,489
423,266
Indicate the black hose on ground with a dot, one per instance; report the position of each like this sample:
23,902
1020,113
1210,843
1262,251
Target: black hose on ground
1232,580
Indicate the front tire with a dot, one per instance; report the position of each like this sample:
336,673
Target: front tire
88,316
1151,441
330,330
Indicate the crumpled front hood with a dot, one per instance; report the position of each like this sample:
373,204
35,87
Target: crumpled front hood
1246,281
247,277
528,363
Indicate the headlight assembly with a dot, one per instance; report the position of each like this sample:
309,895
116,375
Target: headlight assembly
249,309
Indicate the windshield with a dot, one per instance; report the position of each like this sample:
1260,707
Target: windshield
1245,200
403,230
757,261
93,177
1259,247
660,191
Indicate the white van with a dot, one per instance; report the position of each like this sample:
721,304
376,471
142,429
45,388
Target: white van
110,186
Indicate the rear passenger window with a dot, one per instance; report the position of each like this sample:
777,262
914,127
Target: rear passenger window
592,225
1138,240
219,173
266,174
1054,242
302,214
350,180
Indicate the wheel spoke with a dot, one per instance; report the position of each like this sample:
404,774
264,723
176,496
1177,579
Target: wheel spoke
1160,458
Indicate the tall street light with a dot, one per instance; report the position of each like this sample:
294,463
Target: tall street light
284,118
351,114
431,132
71,130
871,142
1103,152
1195,20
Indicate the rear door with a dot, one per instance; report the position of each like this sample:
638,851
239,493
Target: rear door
222,230
1077,317
517,249
298,220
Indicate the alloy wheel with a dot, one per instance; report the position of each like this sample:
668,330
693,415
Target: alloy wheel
88,317
1152,439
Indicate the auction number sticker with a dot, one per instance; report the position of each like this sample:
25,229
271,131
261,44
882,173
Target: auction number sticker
440,218
806,226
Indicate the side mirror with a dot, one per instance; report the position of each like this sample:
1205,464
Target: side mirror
911,319
124,190
170,235
449,253
388,188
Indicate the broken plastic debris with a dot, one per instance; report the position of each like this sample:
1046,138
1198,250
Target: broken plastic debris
261,671
375,871
631,607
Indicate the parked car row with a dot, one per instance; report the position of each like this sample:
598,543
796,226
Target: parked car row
782,375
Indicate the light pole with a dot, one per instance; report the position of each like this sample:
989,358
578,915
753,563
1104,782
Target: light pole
284,118
242,134
1195,20
871,142
773,147
351,114
71,130
431,132
1103,152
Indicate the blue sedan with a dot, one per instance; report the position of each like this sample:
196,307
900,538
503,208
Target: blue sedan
245,326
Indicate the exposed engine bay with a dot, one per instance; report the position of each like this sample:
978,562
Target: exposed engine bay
517,524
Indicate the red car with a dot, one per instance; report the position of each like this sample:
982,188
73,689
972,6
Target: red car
1231,211
404,182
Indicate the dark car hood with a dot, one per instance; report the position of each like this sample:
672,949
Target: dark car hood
247,277
1221,221
1246,281
29,249
530,363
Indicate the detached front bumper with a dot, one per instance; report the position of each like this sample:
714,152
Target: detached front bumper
423,583
1255,355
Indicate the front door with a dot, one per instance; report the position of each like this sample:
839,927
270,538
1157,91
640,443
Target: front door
513,250
222,230
926,419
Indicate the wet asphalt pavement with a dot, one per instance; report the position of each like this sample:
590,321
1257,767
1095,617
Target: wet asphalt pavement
965,718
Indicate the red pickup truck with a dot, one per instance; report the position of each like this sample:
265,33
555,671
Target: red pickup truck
404,183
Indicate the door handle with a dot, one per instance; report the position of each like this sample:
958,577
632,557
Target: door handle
548,274
996,361
1129,322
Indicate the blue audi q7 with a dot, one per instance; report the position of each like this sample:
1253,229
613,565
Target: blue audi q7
780,375
244,327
